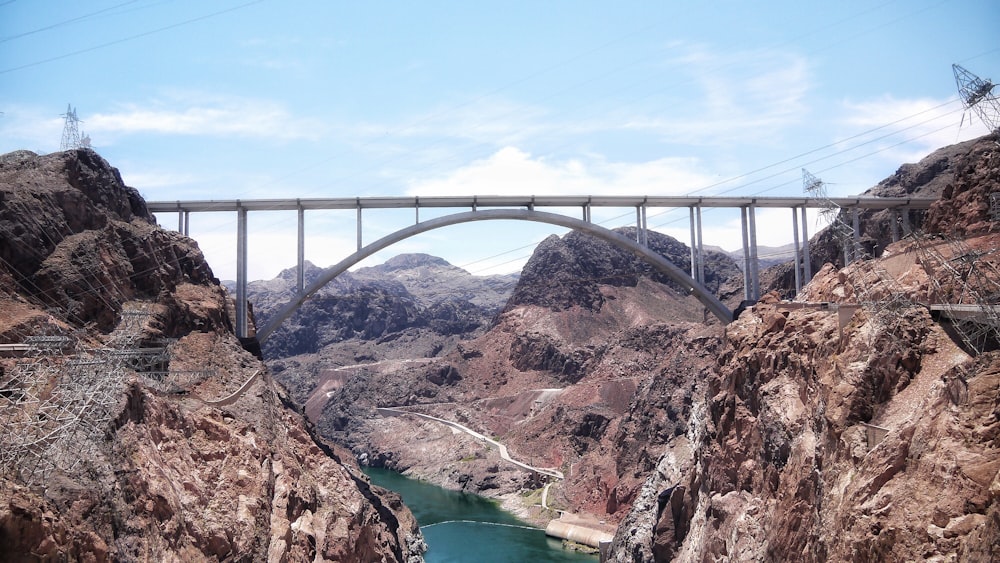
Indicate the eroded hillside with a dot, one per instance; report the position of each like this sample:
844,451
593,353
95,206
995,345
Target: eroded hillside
589,370
868,434
135,427
412,306
794,433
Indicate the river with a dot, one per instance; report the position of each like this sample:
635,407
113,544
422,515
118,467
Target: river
460,527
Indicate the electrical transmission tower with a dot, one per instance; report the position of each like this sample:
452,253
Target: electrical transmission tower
966,287
833,214
874,288
977,95
71,136
55,408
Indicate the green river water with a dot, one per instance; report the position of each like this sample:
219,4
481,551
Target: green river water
460,527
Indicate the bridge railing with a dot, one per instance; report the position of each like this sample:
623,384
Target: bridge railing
747,205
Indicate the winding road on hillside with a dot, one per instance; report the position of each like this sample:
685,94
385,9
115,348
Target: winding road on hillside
504,454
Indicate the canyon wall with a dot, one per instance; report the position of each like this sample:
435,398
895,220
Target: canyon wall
868,434
194,455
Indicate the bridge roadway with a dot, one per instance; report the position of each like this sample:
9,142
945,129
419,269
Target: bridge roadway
524,208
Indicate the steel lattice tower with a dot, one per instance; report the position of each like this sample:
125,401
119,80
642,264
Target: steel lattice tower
71,130
977,95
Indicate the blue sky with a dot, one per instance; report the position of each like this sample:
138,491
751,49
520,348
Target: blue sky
257,99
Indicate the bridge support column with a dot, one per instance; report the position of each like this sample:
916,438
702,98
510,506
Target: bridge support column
694,245
640,225
806,260
747,286
183,221
645,228
586,212
241,272
359,225
754,266
642,236
796,258
300,276
894,225
906,222
856,224
701,247
416,210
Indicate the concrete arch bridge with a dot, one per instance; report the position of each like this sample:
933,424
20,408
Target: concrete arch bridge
525,208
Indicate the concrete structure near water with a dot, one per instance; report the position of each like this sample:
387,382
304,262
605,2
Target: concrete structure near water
578,533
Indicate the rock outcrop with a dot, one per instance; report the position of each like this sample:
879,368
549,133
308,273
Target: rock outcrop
149,433
412,306
963,175
570,271
590,369
821,437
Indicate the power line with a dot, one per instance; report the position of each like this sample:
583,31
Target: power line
783,171
381,164
131,37
65,22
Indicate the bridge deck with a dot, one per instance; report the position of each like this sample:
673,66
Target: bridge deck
485,207
410,202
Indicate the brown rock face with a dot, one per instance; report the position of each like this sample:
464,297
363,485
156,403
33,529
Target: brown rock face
822,449
569,271
78,241
964,209
196,456
962,175
594,394
875,440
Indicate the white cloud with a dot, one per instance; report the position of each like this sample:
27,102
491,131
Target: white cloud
718,97
511,171
273,63
697,97
915,126
27,127
211,115
152,180
485,119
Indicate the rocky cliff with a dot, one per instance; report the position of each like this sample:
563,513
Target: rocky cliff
570,271
590,369
134,425
412,306
868,434
953,172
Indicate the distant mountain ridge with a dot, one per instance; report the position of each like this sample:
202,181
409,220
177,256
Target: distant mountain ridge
411,306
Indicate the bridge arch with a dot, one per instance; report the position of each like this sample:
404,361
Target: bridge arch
656,260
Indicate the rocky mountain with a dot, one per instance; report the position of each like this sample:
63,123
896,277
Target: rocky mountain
797,432
570,271
952,171
133,424
411,306
871,436
588,334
